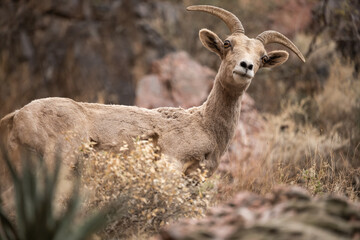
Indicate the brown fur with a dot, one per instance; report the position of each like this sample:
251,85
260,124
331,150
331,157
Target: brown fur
192,136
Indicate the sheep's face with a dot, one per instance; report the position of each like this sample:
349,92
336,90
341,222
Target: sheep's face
241,58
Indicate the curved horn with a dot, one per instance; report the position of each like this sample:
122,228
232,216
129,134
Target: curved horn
232,22
276,37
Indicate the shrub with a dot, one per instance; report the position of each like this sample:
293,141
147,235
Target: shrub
148,185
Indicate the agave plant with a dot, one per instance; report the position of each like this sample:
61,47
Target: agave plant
35,189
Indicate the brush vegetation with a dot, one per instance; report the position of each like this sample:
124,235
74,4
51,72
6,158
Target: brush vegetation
147,188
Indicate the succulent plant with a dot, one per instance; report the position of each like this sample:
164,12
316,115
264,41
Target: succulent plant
35,188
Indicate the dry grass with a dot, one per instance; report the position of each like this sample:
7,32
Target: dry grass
147,190
339,107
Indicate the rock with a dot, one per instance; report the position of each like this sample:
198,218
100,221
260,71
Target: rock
85,50
293,17
178,80
286,213
151,93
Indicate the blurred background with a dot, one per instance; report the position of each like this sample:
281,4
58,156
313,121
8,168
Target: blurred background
120,52
97,51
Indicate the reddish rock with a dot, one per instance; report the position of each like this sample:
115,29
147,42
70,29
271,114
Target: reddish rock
189,82
292,16
177,79
151,93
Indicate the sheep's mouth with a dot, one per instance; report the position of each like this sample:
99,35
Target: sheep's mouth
242,74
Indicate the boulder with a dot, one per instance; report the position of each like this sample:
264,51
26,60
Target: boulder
175,80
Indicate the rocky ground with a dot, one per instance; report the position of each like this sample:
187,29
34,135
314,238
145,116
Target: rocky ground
286,213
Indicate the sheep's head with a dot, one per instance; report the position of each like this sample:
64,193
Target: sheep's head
242,56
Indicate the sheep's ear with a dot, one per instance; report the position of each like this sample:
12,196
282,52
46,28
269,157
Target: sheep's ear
211,41
276,58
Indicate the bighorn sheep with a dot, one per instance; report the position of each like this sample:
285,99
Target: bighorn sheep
192,136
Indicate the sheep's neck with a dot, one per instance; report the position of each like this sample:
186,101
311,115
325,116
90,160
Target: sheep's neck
221,113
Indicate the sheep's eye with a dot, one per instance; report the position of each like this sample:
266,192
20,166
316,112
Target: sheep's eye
227,44
264,59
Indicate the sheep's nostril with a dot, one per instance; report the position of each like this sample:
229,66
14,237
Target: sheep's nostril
250,67
243,64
